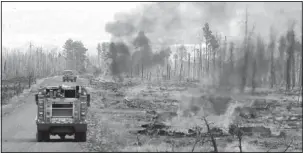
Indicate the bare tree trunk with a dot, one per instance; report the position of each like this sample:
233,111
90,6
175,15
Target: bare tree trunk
138,70
213,140
200,62
181,68
293,71
214,60
175,72
169,67
131,71
167,71
272,50
288,68
231,57
244,70
207,58
272,69
158,73
254,69
188,65
290,58
142,71
194,67
282,66
246,54
30,66
300,72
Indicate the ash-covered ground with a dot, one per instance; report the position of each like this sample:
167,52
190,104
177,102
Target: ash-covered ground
171,116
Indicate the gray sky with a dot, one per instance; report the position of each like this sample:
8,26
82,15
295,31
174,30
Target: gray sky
51,24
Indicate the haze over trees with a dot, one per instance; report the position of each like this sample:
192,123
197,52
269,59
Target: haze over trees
253,61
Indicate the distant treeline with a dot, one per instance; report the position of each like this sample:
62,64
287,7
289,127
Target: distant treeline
251,63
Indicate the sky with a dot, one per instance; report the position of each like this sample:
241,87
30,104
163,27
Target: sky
50,24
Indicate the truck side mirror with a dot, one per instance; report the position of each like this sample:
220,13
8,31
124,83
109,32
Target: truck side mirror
36,99
88,100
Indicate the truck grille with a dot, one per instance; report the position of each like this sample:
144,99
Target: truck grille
62,110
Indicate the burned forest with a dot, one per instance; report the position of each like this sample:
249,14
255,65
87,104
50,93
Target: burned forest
168,76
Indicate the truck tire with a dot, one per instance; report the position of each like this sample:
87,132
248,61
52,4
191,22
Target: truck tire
39,136
80,136
42,136
46,136
75,80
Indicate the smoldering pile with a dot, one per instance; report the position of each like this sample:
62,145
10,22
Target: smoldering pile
188,119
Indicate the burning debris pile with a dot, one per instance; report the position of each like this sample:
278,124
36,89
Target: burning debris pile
224,120
161,126
189,116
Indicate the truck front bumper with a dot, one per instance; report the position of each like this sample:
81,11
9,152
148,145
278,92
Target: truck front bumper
68,77
77,127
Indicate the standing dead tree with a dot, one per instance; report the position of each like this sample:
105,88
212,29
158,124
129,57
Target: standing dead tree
272,64
290,56
208,36
282,47
213,140
188,65
247,48
235,130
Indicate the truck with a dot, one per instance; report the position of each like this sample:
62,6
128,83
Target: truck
69,75
62,110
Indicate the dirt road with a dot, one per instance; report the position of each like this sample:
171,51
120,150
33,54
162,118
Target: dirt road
19,127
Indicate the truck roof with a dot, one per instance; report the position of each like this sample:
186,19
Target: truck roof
57,87
67,70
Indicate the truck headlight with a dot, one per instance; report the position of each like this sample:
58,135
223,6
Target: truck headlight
40,117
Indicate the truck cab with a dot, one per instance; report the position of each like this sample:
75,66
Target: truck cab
69,75
62,110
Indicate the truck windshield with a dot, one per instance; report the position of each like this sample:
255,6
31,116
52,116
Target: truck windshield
67,72
70,93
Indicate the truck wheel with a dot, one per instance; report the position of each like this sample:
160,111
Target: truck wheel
39,136
75,80
42,136
46,136
80,136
